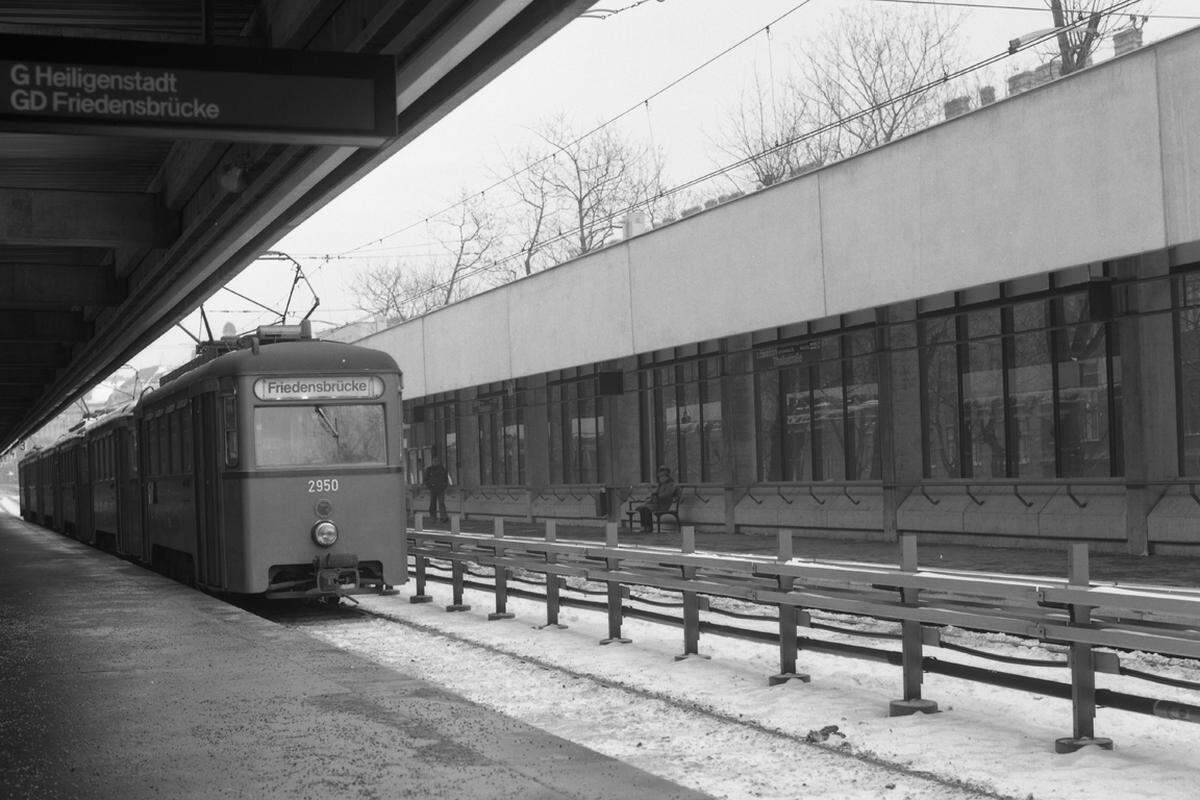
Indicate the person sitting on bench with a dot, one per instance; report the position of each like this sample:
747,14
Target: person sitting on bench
659,500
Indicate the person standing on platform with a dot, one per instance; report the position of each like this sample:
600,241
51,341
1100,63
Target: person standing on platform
436,481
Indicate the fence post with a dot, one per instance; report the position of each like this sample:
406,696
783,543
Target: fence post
691,601
419,520
1079,660
789,646
420,562
501,575
614,589
456,579
911,641
553,581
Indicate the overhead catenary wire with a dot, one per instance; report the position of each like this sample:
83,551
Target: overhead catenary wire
612,120
1009,7
946,77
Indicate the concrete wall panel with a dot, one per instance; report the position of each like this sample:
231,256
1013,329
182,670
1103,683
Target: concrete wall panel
1178,64
750,263
1060,176
468,343
406,344
574,314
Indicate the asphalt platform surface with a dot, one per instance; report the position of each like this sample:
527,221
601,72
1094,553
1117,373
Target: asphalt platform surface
121,684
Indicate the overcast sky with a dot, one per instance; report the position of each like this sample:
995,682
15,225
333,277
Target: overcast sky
592,70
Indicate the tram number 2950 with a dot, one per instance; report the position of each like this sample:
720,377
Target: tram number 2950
322,485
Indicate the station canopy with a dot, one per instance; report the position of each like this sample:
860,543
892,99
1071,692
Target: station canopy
149,151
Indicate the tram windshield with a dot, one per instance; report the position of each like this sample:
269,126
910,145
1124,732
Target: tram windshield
298,436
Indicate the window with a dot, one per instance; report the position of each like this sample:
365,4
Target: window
317,435
681,412
229,425
818,408
578,445
1187,344
1026,389
433,428
501,437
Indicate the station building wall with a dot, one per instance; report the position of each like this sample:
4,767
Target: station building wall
985,331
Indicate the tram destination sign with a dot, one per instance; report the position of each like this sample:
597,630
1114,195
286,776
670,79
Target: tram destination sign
319,387
186,91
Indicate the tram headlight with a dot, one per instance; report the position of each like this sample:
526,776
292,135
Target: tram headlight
325,533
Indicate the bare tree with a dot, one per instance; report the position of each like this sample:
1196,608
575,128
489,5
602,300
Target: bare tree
865,75
574,200
1077,45
766,131
856,86
467,235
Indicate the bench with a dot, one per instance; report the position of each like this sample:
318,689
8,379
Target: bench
670,511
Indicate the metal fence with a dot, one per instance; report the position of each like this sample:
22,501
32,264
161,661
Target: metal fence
1094,623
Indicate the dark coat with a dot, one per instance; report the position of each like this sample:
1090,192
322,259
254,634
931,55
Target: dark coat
436,477
663,495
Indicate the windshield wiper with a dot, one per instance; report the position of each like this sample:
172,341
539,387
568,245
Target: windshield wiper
326,422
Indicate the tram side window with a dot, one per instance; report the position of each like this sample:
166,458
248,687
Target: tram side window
185,443
229,423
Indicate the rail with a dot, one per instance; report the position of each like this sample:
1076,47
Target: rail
1095,623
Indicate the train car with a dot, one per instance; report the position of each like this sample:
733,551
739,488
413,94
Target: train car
277,470
73,501
27,480
116,490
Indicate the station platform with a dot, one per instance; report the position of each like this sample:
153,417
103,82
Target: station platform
119,683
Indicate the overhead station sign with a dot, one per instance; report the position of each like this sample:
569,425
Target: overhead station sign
90,86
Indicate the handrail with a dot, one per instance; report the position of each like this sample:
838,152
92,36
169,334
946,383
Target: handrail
1069,610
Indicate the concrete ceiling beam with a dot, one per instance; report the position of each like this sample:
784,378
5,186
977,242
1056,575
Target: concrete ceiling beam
40,286
50,217
43,326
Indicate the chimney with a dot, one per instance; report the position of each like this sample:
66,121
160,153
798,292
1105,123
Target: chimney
957,106
1126,40
635,223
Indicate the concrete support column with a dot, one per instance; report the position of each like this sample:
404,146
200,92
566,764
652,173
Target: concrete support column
738,424
1149,443
624,425
468,445
900,409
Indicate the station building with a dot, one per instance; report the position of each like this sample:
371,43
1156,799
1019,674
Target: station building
987,332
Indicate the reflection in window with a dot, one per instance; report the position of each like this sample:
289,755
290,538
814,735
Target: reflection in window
433,428
939,377
682,420
578,442
501,438
1028,390
313,435
818,409
1187,333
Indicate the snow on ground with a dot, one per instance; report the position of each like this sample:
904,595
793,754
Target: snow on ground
716,726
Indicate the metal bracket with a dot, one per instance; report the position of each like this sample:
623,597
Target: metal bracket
846,491
813,495
974,499
1017,494
1079,503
